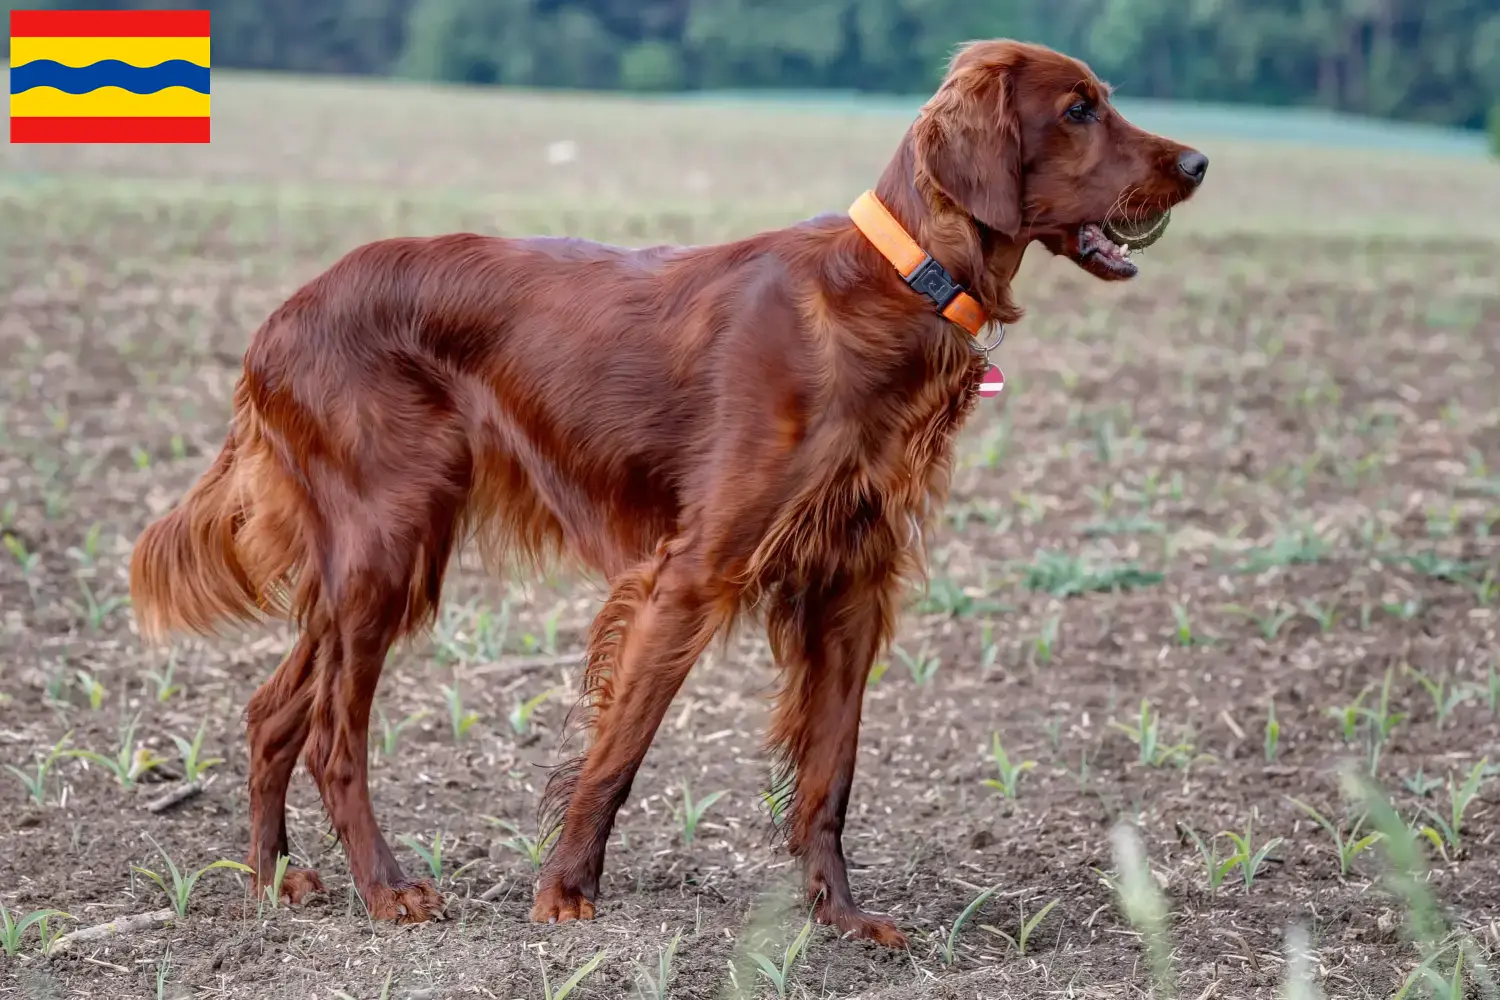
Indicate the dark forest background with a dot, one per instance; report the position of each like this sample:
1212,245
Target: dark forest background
1418,60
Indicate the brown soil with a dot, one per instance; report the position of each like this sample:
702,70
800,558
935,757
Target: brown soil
1267,423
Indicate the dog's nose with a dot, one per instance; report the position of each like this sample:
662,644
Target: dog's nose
1193,165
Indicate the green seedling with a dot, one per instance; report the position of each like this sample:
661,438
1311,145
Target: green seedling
923,667
989,649
28,561
530,848
278,876
520,715
1405,874
876,672
775,974
97,610
944,595
1380,723
48,935
36,782
1289,547
165,689
1142,902
691,813
1010,773
563,991
11,929
963,918
385,990
1270,624
1146,735
1420,785
654,987
1184,627
1325,618
459,720
1026,928
432,856
130,760
1064,575
1449,829
1403,610
1045,643
1273,733
1349,715
92,689
779,797
1215,867
1445,697
550,626
1251,859
1347,848
194,766
87,554
182,885
390,735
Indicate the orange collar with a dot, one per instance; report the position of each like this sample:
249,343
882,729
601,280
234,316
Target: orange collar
915,264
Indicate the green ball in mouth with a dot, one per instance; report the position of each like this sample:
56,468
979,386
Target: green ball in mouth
1137,234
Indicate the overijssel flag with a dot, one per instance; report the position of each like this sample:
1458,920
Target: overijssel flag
109,76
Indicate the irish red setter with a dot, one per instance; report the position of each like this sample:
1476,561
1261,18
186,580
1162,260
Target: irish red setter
758,427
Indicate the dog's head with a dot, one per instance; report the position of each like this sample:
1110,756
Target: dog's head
1025,141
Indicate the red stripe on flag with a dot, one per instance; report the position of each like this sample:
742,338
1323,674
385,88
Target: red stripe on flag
109,129
109,24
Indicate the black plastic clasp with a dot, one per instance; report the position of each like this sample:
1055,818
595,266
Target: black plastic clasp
933,280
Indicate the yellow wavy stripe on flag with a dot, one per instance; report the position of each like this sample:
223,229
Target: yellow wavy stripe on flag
108,102
84,51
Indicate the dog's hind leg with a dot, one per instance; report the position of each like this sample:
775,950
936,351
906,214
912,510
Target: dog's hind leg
659,618
825,641
277,728
382,576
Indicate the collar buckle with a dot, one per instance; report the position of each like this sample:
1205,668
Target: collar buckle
933,280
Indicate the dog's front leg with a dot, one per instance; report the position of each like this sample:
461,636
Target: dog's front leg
825,642
658,620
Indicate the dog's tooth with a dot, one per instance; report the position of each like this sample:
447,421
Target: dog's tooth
1125,249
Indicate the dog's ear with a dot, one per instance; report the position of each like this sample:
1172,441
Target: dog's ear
967,142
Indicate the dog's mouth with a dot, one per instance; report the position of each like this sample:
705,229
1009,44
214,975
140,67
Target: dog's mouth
1105,249
1101,256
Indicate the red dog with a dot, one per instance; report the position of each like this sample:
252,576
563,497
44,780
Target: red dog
764,424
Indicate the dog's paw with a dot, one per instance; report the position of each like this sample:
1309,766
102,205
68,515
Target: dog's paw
296,885
557,905
407,903
856,923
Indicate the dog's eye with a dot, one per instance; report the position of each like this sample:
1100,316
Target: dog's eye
1081,112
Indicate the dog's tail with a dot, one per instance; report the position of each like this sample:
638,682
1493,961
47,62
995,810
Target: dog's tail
221,555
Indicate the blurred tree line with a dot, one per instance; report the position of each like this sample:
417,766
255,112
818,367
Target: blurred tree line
1424,60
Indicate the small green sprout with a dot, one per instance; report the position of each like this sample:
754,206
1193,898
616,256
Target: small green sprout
1010,773
963,918
1449,830
194,766
12,929
691,813
36,783
775,974
520,715
182,885
460,720
1027,926
433,856
572,984
1348,848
